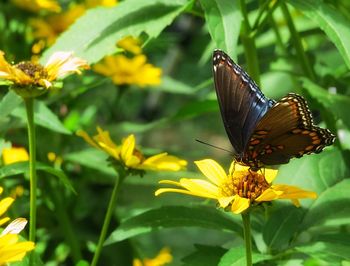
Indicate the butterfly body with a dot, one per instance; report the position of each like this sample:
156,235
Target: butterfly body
263,131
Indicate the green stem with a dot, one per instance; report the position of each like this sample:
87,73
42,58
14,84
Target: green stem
64,222
29,103
247,238
248,42
107,220
296,39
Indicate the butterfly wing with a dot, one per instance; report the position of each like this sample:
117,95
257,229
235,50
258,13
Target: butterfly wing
287,131
241,102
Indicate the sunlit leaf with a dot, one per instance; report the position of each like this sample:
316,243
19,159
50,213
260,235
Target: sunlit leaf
331,21
224,23
91,37
204,256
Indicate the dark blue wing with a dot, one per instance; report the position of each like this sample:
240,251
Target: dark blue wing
241,102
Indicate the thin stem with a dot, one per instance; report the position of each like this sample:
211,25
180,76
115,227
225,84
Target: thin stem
107,220
248,42
29,103
64,222
247,238
295,37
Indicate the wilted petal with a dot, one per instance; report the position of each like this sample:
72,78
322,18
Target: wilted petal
212,170
15,227
63,63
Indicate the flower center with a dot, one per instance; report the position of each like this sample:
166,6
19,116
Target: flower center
248,185
35,71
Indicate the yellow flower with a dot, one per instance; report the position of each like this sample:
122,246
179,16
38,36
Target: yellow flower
129,156
14,155
238,189
38,5
123,70
106,3
47,29
130,44
10,249
27,74
164,257
50,27
5,203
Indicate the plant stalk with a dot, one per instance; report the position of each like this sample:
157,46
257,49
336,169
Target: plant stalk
29,103
247,238
107,220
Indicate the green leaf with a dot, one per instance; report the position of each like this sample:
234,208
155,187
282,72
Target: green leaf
9,102
92,158
91,37
337,104
43,116
224,22
204,256
330,252
332,207
23,167
331,21
281,227
174,216
236,257
314,172
197,108
174,86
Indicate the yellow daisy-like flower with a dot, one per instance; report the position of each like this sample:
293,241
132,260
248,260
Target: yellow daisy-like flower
106,3
164,257
38,5
14,155
50,27
238,189
124,70
26,75
5,203
130,44
129,155
10,249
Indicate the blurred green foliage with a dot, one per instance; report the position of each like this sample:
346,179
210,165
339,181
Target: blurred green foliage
300,46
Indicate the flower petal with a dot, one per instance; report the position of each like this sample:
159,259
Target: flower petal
212,170
239,204
270,175
164,162
225,201
5,204
293,192
268,195
15,227
128,147
87,138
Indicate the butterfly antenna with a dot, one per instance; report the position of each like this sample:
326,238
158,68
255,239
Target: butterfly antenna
216,147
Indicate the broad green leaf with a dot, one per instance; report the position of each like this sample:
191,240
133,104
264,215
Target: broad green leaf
332,207
281,227
331,21
174,216
43,116
23,167
330,252
91,37
337,104
204,256
224,22
91,158
315,172
9,103
197,108
174,86
236,257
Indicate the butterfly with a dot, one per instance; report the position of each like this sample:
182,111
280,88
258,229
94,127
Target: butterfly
263,131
